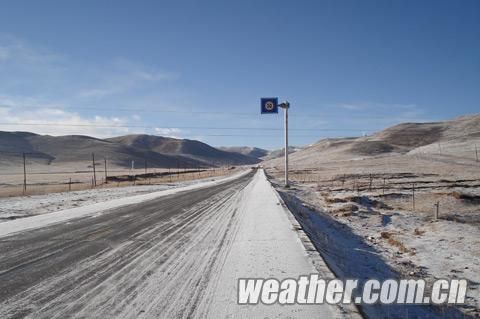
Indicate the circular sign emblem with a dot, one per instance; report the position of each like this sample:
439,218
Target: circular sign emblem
269,106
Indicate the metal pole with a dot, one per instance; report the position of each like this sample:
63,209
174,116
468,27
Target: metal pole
286,106
286,144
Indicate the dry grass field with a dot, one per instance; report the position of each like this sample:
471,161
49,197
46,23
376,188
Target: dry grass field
383,192
406,182
44,179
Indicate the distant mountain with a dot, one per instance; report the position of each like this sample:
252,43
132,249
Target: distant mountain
191,149
280,152
254,152
260,153
456,137
157,151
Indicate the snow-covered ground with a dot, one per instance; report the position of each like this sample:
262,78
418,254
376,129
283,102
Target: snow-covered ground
140,261
101,205
361,239
266,246
24,206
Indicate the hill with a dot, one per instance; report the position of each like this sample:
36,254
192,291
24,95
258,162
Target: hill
280,152
259,153
121,151
45,149
191,149
254,152
456,137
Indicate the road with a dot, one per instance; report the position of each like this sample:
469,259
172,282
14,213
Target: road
177,256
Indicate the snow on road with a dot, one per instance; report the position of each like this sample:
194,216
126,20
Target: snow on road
177,256
35,221
265,246
26,206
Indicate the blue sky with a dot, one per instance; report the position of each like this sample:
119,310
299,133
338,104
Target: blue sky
197,69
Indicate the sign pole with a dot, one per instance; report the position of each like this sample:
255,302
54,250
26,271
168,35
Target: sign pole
269,105
285,106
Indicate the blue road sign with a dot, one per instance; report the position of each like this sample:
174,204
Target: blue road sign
269,105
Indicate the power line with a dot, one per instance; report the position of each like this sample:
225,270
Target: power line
389,130
138,110
186,112
357,130
222,135
181,127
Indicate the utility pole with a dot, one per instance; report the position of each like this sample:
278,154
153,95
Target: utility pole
133,171
106,175
269,105
94,172
384,186
476,152
178,169
24,175
285,106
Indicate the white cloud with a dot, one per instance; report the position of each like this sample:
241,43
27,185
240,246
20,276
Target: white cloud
15,50
4,53
168,132
370,117
38,70
68,124
352,107
57,121
89,93
372,106
119,77
18,103
51,88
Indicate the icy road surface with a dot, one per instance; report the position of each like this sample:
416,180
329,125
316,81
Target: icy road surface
175,256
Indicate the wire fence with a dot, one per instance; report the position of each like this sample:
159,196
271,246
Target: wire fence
25,176
430,194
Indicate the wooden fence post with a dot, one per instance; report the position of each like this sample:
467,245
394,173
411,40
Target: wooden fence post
24,175
437,209
106,175
94,172
178,170
413,196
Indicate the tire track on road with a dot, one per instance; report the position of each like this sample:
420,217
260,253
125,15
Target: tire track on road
108,263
